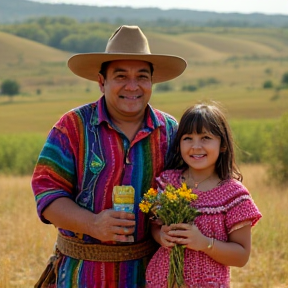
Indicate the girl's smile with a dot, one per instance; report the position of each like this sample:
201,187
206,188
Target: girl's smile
198,156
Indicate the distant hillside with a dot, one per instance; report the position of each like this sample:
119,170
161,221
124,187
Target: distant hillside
12,11
225,65
205,46
32,60
15,50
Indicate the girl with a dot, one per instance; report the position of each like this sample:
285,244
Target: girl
203,158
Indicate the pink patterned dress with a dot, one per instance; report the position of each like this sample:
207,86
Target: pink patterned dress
222,208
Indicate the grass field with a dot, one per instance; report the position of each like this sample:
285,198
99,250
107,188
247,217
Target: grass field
26,243
37,114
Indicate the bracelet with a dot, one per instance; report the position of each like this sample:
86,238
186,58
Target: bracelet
211,244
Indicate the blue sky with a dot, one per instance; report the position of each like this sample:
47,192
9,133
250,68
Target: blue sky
240,6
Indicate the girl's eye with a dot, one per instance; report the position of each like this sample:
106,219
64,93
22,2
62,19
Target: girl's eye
187,138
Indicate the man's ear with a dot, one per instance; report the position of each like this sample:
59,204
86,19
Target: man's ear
101,82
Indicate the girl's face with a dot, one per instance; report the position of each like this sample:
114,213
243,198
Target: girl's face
200,151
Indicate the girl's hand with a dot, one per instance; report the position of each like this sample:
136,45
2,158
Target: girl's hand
188,235
166,240
234,252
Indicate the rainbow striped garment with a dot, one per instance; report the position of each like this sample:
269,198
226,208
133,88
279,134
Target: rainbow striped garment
84,157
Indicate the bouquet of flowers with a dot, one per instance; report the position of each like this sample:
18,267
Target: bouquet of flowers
172,206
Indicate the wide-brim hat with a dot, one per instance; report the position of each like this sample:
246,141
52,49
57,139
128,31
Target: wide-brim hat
127,43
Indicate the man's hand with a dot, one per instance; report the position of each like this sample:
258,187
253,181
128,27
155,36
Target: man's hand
111,225
108,225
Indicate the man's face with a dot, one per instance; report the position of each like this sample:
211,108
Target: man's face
127,88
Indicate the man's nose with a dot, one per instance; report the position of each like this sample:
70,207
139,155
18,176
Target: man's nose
131,84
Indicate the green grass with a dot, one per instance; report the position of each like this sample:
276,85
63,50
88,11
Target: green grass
37,114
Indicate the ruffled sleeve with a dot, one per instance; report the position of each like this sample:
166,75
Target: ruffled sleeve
244,210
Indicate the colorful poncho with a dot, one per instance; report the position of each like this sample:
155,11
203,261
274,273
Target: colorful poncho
84,157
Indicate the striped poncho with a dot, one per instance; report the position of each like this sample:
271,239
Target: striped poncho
84,157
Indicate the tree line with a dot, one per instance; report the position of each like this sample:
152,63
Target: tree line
63,33
68,34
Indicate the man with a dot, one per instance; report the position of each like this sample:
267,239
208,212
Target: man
118,140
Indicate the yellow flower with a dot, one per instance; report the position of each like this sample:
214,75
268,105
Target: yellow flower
171,196
193,197
184,194
152,192
184,186
172,206
145,206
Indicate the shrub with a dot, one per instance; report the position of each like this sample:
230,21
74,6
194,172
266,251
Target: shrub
19,153
285,78
277,151
164,87
251,139
190,88
206,82
268,84
268,71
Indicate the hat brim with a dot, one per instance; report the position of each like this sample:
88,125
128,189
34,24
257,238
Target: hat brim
166,67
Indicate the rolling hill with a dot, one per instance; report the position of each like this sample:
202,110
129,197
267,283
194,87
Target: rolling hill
15,50
23,57
221,44
238,61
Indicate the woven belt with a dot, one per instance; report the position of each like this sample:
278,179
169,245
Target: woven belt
104,253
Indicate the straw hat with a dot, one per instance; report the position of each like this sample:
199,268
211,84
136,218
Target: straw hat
127,43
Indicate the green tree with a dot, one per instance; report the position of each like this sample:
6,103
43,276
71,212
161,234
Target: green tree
83,43
33,32
57,33
10,87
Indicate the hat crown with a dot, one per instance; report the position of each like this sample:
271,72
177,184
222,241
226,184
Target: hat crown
128,39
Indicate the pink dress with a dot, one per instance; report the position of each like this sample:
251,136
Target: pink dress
222,208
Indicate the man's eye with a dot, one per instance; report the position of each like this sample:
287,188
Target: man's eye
143,77
120,76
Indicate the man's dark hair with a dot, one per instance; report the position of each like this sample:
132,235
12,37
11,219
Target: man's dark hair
104,67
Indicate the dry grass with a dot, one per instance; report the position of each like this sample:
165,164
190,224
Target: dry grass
16,51
268,264
26,243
